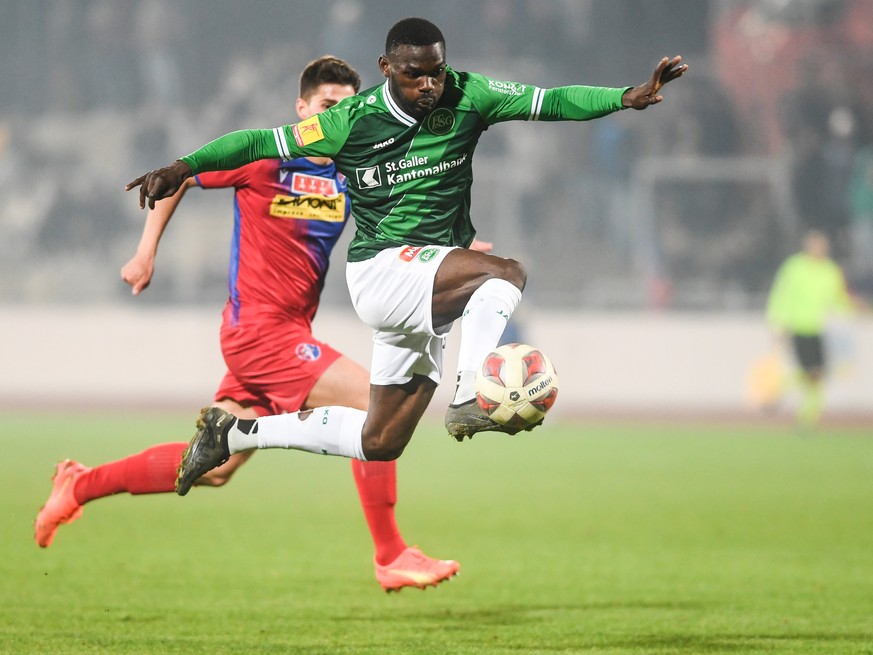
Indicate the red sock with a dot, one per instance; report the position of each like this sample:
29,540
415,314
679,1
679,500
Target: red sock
152,471
377,487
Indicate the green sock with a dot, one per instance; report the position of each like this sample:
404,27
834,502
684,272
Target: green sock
810,410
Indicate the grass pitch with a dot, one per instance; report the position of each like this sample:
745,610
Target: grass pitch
584,538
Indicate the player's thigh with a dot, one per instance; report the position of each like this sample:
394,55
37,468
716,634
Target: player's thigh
344,382
461,272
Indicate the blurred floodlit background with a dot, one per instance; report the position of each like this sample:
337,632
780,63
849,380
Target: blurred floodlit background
689,207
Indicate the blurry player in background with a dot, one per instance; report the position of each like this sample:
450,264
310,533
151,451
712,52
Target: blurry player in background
288,216
808,288
407,148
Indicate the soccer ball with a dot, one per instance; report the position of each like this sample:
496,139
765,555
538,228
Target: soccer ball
516,385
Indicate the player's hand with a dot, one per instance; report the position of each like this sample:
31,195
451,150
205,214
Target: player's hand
481,246
138,272
646,94
160,183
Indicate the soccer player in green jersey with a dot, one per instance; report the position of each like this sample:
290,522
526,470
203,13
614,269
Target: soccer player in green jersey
809,287
407,147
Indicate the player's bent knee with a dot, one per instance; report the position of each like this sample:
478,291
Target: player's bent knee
514,272
380,449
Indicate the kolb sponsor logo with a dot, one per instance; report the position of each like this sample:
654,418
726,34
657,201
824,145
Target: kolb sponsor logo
441,121
428,254
506,88
368,178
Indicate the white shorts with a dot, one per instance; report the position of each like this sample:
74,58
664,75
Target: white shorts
393,294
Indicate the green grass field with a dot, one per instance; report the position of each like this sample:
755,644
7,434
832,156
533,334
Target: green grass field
586,538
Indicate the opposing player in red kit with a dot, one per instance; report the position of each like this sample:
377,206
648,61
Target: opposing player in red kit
288,216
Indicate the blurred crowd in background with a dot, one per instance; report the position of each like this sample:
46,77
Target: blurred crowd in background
690,206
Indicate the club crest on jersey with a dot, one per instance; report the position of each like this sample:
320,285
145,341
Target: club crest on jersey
308,131
369,177
308,352
441,121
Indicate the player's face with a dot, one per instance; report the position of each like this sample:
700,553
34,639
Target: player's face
325,96
416,77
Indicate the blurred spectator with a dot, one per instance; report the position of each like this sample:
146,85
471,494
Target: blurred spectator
762,51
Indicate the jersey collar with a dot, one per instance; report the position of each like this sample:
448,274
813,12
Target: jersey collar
395,109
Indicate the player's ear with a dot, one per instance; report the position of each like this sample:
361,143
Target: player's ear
302,108
385,65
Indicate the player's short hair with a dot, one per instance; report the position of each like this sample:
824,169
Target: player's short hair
327,70
413,31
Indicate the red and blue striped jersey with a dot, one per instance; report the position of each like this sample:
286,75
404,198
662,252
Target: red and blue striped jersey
288,216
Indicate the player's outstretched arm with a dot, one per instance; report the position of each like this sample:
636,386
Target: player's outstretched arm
646,94
140,268
223,154
160,183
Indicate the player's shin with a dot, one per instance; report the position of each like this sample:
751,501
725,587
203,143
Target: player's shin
325,431
482,323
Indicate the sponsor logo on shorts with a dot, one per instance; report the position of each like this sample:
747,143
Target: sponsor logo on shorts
308,352
428,254
441,121
409,252
308,131
368,178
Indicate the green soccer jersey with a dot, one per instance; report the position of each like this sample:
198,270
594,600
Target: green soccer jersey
409,180
805,291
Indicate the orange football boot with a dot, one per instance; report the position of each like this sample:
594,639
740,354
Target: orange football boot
61,506
412,568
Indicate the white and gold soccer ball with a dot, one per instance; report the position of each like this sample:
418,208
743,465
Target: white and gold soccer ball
516,385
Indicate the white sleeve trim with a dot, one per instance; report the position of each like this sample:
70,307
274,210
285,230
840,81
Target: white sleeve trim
536,105
281,143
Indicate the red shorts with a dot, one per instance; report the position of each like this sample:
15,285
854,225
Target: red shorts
272,361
